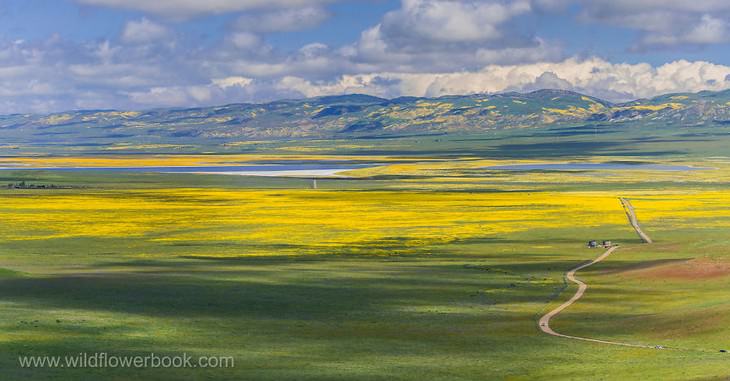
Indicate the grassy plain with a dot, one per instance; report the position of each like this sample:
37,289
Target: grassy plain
427,267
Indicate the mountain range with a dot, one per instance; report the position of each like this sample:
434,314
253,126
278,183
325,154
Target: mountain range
358,115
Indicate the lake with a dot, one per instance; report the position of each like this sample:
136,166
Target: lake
293,170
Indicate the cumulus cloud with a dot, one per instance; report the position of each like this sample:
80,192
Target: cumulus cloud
437,35
217,91
249,30
447,22
421,48
709,30
143,31
234,81
546,80
594,76
662,23
57,75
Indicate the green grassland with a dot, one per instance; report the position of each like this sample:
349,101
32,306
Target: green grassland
404,306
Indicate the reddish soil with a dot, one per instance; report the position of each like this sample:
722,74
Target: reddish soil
698,268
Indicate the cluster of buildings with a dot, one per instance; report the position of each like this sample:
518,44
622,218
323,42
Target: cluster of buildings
594,244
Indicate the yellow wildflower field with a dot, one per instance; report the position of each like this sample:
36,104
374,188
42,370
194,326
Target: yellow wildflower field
301,221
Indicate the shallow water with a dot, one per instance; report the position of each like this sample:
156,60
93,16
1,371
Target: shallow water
320,169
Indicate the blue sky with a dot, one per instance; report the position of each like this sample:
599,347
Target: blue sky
135,54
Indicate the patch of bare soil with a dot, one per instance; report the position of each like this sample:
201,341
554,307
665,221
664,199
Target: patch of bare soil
698,268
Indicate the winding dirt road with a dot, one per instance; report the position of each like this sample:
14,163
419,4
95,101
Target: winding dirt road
582,287
633,220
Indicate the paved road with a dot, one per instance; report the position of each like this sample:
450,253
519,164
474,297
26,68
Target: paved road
582,287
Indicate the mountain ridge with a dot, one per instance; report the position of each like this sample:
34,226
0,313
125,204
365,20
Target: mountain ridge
354,115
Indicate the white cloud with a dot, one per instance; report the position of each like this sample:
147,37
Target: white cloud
446,21
423,48
438,35
253,68
232,81
118,75
345,85
282,20
376,50
219,90
191,8
245,40
162,96
57,75
593,76
248,29
710,30
663,23
143,31
104,51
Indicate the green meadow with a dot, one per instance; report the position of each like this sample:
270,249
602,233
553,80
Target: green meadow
427,267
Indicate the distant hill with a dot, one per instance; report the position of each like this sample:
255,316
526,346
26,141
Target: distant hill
359,115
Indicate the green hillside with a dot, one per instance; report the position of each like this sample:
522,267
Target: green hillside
357,115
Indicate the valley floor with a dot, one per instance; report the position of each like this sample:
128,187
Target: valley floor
420,268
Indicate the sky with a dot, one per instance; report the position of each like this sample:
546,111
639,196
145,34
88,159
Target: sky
58,55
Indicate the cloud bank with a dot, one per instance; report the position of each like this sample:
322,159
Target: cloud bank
421,48
593,76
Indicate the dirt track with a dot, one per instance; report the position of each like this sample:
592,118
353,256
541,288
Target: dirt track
582,287
631,214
